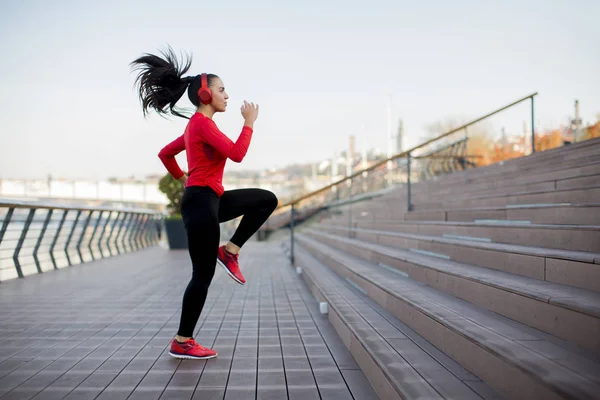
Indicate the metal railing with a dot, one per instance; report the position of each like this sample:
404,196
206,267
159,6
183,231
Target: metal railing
37,237
400,170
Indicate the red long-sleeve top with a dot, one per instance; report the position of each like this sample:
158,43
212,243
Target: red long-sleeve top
207,150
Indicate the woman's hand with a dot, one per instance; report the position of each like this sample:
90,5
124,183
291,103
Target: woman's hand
250,113
183,179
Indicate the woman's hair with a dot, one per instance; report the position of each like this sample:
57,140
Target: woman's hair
161,83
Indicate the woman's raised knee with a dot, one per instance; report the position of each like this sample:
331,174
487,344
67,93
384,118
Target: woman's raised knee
271,200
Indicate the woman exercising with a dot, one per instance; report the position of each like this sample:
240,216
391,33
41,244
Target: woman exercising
205,203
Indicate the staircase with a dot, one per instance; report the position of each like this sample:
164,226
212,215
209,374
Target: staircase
489,288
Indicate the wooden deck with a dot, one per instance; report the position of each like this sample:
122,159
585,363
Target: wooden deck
102,330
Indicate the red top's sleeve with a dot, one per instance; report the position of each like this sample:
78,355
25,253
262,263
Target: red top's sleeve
167,156
234,151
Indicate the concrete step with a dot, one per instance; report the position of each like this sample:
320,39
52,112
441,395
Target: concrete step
547,195
398,362
517,361
572,195
590,177
524,173
564,237
562,154
563,311
560,214
581,177
578,269
557,171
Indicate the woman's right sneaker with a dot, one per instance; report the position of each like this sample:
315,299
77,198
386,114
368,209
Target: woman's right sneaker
230,263
190,350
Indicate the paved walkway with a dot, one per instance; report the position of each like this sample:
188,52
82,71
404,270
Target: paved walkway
102,330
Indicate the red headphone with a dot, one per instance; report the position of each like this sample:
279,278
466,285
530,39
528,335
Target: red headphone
204,93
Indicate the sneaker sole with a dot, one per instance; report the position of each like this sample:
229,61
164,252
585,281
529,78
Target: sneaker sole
186,357
229,272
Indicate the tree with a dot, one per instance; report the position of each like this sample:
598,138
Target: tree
593,131
479,143
514,147
441,126
548,140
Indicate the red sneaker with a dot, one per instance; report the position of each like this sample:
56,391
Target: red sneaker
190,350
230,263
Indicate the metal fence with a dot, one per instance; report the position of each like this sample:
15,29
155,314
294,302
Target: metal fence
36,237
451,151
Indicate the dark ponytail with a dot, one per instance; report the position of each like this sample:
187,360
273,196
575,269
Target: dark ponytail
160,82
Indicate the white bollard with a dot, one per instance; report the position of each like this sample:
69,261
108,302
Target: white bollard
298,270
323,307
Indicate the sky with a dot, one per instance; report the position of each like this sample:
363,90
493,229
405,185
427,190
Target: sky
319,70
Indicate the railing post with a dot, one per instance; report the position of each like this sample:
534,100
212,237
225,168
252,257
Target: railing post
127,235
139,243
6,222
56,235
148,230
160,230
39,241
408,161
21,240
145,239
94,234
129,218
82,235
71,236
112,230
135,229
532,127
110,213
133,233
292,235
152,232
144,232
133,240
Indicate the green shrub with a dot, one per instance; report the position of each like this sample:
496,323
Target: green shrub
173,189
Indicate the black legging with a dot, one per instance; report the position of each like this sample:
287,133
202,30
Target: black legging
202,211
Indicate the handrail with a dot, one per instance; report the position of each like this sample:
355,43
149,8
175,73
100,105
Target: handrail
406,152
44,205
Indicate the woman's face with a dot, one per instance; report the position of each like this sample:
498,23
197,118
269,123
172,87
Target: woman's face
219,96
